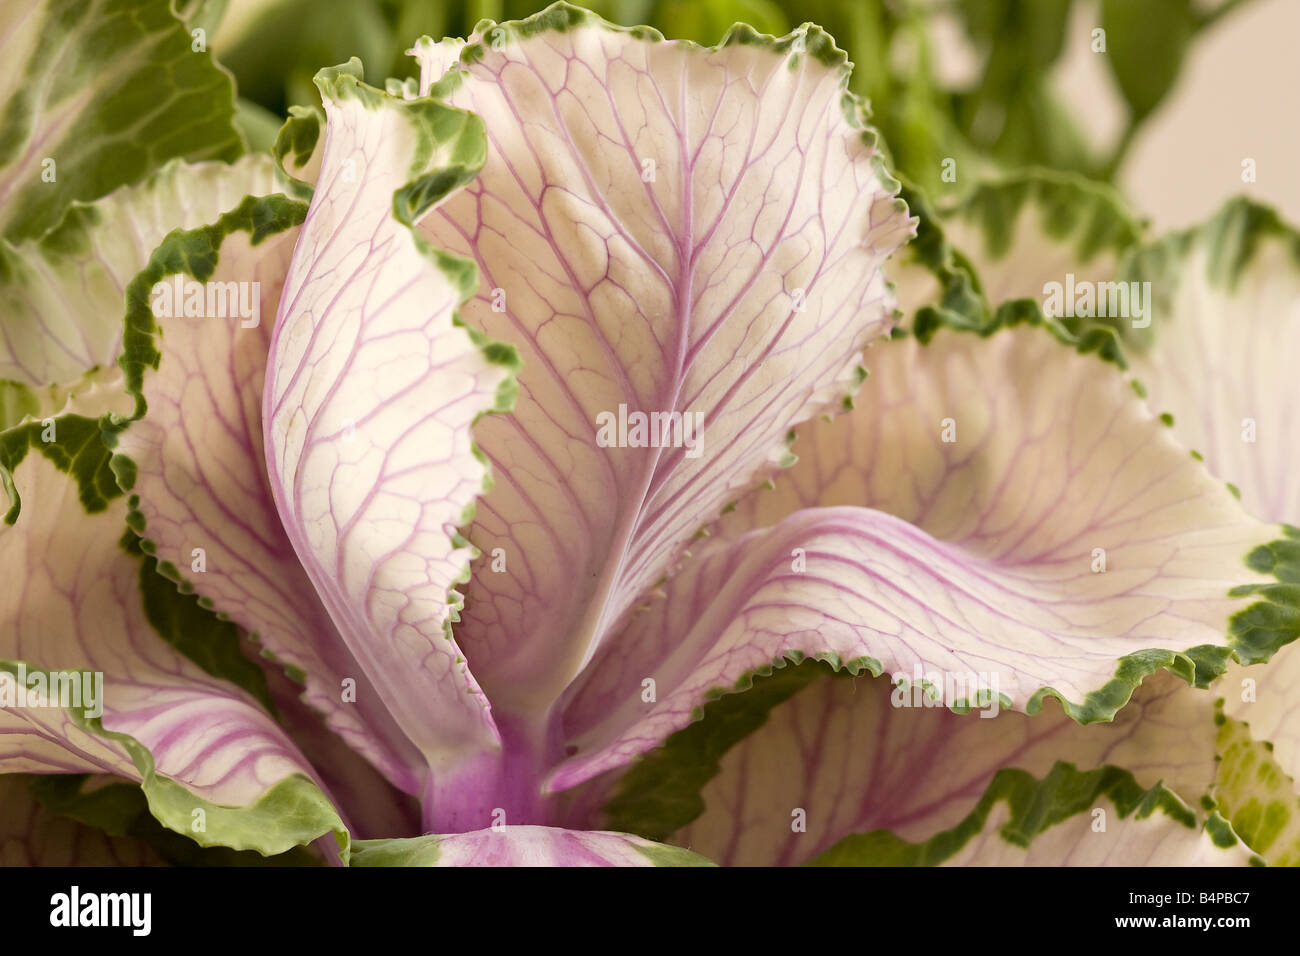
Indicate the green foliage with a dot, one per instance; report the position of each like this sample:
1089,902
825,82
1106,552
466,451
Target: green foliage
661,794
122,810
75,127
1145,46
1008,117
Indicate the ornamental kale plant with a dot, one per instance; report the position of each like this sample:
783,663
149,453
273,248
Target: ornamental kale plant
591,448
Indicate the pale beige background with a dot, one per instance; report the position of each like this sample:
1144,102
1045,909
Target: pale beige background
1238,96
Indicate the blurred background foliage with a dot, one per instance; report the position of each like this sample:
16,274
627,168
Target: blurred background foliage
1001,115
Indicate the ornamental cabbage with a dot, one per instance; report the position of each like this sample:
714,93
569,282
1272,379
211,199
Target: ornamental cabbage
602,449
